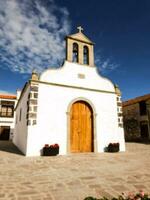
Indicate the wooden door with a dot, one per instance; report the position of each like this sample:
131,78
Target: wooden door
81,127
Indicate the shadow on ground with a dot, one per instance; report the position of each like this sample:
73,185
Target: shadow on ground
139,141
8,146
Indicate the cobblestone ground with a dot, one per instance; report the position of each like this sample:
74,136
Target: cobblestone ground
73,177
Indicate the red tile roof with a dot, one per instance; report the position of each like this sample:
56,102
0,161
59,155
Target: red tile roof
8,96
136,100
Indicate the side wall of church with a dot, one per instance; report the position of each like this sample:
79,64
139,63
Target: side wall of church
21,128
53,118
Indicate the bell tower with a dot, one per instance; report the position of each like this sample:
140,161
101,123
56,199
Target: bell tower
80,49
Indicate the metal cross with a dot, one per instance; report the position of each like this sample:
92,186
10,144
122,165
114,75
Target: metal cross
80,29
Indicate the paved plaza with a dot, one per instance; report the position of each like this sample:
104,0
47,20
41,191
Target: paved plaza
75,176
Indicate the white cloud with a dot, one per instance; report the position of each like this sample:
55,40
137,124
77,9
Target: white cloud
31,34
6,92
105,65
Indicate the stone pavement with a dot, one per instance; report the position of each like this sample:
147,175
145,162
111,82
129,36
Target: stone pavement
75,176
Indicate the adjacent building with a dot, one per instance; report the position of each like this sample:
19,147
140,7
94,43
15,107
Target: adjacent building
73,106
136,115
7,104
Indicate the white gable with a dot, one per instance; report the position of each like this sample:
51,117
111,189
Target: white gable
73,74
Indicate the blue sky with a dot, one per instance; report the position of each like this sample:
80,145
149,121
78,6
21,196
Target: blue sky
32,36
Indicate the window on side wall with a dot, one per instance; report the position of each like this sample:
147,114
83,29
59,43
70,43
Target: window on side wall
6,111
20,114
142,105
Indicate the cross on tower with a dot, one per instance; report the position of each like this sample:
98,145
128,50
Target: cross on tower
80,29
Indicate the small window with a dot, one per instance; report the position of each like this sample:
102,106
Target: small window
143,108
16,119
85,55
75,52
20,114
6,111
144,130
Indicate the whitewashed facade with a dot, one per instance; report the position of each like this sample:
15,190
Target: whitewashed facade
43,111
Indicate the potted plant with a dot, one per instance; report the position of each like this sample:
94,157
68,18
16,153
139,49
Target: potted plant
113,147
46,150
54,149
50,150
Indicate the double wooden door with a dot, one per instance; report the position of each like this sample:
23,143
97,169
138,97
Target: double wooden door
81,127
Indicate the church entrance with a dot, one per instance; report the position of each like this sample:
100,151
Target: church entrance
81,127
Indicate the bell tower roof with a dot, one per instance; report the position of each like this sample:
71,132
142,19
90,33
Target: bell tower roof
80,36
80,48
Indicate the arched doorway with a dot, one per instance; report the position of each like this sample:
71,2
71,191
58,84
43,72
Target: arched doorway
81,127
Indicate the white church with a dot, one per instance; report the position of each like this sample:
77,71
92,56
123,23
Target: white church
73,106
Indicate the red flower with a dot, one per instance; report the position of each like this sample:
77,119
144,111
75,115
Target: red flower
142,193
114,144
56,145
46,145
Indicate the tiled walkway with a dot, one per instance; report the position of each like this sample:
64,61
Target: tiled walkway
73,176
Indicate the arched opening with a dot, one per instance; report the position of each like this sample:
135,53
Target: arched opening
81,127
85,55
75,52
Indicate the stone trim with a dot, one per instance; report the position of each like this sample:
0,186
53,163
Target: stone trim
120,125
28,122
120,114
119,111
34,88
31,115
119,104
32,104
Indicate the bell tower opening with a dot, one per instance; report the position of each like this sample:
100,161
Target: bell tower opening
75,52
80,49
85,55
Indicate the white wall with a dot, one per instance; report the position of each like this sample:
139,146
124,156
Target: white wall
53,103
21,128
